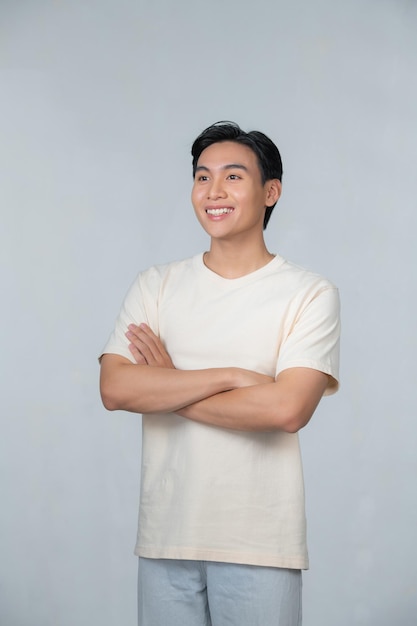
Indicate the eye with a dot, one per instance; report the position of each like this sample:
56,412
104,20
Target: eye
234,177
202,178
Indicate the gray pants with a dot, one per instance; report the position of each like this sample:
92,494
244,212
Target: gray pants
204,593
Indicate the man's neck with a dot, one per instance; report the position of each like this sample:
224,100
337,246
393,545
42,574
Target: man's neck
231,261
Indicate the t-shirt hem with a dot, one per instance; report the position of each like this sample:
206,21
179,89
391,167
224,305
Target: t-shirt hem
193,554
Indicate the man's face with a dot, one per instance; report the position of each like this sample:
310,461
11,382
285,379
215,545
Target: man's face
228,195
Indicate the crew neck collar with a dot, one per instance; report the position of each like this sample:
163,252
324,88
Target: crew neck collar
272,265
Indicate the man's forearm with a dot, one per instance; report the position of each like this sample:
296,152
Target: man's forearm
228,397
286,404
245,409
145,389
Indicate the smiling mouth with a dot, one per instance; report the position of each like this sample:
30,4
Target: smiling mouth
219,211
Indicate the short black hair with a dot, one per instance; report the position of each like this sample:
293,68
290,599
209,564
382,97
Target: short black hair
267,154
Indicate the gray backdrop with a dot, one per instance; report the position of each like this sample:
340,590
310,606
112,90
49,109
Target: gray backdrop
100,102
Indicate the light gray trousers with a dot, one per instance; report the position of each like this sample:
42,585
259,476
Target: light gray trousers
205,593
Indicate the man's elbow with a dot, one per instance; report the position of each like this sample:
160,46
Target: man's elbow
294,425
113,394
110,400
292,420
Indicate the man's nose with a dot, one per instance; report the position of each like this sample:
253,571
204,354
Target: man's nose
216,190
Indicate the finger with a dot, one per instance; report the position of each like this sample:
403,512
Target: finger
145,348
133,331
149,345
142,333
137,336
155,346
158,350
136,344
139,358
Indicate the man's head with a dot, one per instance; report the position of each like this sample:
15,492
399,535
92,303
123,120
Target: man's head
267,154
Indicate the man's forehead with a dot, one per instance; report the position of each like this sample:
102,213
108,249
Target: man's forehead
227,154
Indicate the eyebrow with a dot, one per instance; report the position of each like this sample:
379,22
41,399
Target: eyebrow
229,166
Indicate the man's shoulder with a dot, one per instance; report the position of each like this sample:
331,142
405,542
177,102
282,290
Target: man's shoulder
303,277
164,271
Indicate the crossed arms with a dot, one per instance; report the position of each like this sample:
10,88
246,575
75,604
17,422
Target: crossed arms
227,397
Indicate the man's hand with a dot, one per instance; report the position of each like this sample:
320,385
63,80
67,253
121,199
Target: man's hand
147,348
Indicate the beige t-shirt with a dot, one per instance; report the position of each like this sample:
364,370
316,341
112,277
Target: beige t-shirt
217,494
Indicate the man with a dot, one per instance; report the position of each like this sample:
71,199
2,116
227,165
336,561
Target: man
227,355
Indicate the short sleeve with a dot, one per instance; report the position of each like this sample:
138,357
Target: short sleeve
314,338
139,306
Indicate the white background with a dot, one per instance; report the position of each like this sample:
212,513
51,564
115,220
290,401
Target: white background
100,102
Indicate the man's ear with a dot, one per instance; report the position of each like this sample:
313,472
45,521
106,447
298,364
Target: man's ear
274,189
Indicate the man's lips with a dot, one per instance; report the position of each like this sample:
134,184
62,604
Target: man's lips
217,211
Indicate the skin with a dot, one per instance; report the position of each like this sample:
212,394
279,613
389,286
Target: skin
237,245
227,176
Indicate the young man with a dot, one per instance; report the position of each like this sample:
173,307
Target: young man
227,355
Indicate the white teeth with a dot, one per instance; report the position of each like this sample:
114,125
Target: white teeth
221,211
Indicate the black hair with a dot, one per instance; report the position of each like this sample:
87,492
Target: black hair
267,154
